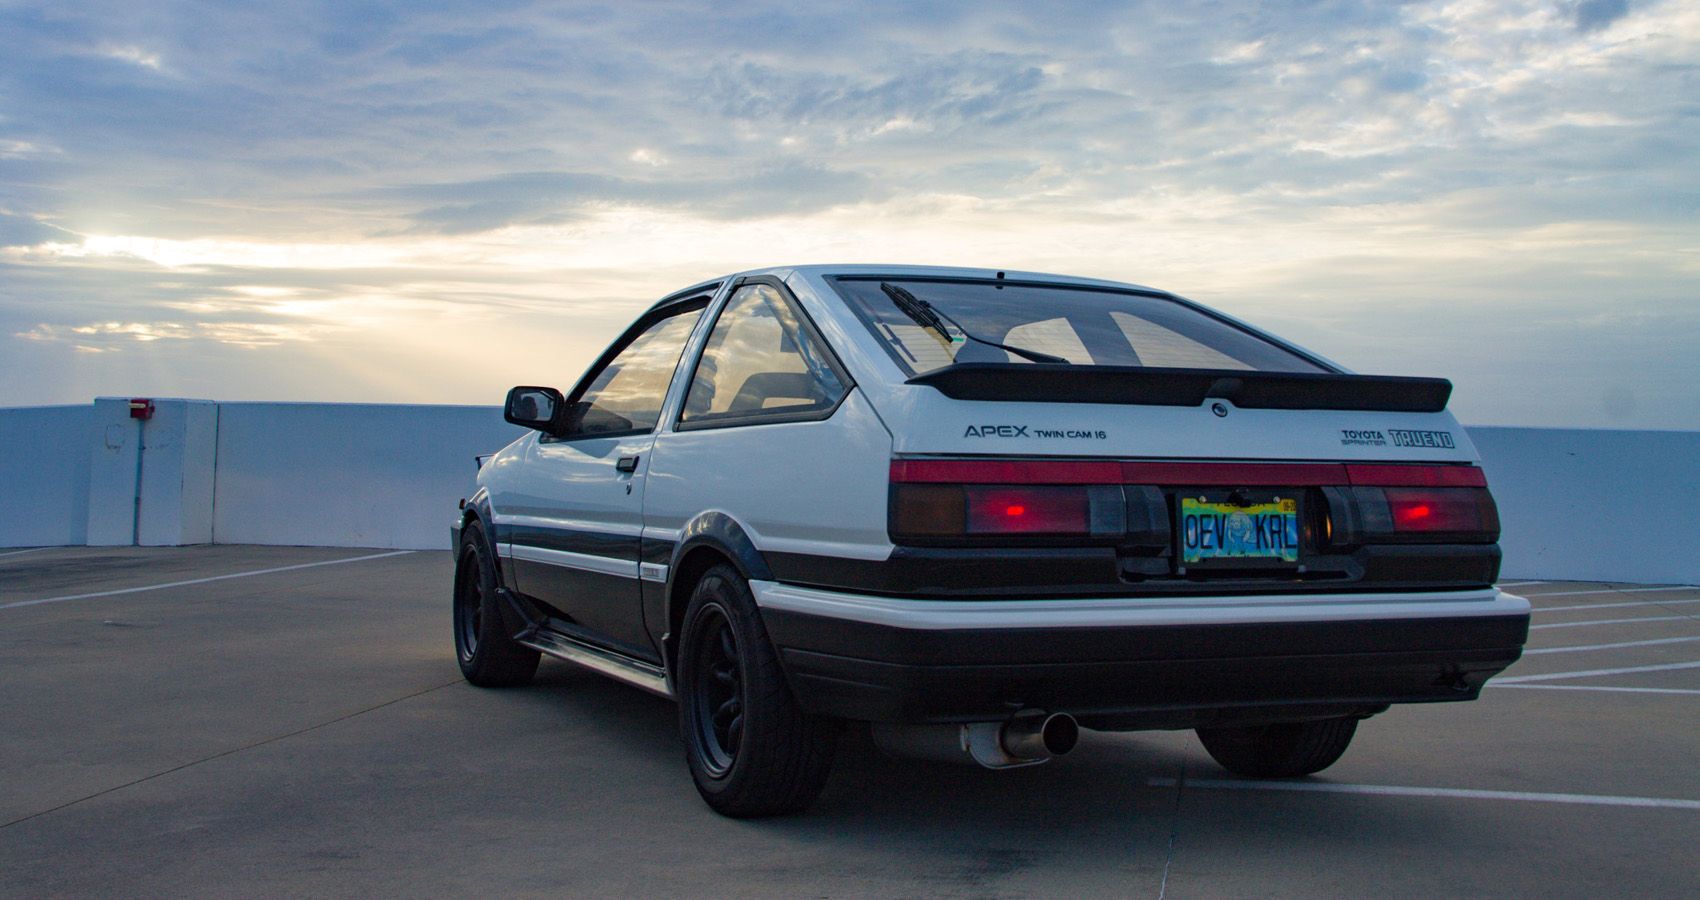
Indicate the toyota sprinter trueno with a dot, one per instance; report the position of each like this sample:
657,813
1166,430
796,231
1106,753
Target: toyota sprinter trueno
981,510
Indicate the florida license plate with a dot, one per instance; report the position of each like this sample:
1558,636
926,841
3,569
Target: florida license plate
1256,531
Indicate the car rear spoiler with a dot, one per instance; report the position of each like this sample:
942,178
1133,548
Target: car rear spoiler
1187,387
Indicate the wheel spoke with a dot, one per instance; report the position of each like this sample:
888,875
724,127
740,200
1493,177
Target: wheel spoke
718,692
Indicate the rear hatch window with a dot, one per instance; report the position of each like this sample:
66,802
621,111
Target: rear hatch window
927,325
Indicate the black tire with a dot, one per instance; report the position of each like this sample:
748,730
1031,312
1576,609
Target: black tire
484,644
1284,750
752,751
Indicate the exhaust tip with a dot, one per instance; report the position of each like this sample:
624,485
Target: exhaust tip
1060,733
1037,735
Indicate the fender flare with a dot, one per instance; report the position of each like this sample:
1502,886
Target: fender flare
477,508
721,532
521,619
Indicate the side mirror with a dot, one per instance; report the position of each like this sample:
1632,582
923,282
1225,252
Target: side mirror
535,407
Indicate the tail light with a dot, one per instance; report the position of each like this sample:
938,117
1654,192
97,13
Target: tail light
927,512
1418,515
990,502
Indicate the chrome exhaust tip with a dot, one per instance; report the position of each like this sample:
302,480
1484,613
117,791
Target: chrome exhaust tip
1027,738
1036,735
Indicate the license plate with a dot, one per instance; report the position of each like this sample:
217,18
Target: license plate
1256,531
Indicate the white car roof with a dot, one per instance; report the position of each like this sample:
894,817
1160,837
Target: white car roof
822,270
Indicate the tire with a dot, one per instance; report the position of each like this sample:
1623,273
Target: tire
751,750
1283,750
484,644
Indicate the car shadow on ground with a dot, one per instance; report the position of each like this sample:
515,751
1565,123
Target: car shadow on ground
1104,772
1092,791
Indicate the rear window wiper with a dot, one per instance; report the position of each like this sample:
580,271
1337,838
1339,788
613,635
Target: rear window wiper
927,316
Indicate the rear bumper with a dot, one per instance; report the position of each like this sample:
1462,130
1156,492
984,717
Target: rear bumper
1138,662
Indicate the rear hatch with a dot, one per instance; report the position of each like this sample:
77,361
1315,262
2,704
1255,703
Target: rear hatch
1028,454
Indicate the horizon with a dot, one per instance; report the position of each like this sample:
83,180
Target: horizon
378,203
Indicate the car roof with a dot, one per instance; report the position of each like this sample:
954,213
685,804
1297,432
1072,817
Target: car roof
712,285
899,270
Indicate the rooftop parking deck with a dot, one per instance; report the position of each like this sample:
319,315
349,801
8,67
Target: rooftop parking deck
240,720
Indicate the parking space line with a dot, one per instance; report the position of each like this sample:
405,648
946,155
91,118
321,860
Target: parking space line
1506,584
1653,642
1613,622
1612,605
30,550
1391,790
1645,590
1595,687
161,587
1626,670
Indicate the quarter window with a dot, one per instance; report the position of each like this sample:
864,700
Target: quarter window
762,362
625,397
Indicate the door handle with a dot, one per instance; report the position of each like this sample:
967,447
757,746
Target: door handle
626,464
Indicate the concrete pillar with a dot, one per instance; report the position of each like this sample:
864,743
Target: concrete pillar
113,473
151,482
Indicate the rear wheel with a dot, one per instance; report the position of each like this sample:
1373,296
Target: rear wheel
484,644
1284,750
751,750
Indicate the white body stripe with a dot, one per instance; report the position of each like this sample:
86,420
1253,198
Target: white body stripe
1120,611
583,562
619,528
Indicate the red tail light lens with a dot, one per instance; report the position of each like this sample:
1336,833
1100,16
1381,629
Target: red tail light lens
1422,515
1447,510
986,514
1028,510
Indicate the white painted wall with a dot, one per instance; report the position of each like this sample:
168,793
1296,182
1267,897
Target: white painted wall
1575,503
44,475
171,453
348,475
114,470
180,448
1595,505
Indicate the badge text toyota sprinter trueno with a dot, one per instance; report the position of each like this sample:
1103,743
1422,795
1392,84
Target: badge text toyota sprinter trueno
979,511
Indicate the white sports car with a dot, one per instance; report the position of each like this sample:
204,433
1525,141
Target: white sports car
981,510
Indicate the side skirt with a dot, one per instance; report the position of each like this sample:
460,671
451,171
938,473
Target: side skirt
636,673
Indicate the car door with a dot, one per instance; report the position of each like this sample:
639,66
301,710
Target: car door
571,535
759,439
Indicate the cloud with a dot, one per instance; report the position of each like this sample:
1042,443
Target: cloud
133,55
406,170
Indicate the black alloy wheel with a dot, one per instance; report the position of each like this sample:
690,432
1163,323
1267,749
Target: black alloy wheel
484,644
751,749
717,709
469,608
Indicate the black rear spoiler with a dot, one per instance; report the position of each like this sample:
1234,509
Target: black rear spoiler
1187,387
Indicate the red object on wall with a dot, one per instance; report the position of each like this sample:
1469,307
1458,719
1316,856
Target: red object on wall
141,408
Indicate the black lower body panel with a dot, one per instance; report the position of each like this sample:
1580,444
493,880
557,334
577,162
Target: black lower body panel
1170,676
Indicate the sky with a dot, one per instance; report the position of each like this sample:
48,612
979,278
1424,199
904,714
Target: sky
428,202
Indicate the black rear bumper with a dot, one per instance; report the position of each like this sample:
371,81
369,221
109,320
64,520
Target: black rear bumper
1133,677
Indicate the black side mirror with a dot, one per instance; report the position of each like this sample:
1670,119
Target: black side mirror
535,407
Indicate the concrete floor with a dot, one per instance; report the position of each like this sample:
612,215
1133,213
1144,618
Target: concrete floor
307,732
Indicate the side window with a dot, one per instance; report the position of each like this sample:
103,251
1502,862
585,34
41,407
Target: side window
625,397
760,362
